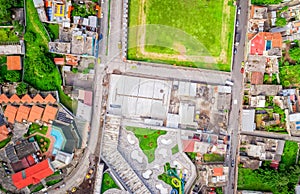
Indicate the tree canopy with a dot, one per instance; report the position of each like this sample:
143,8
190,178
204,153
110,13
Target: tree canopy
280,22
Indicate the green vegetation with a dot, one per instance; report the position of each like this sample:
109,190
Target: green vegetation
4,142
267,179
108,183
40,71
189,34
295,54
5,10
9,75
3,189
38,188
21,89
213,158
219,190
191,155
147,139
265,2
290,75
53,30
36,128
270,79
280,22
53,182
43,142
289,155
83,11
175,149
8,35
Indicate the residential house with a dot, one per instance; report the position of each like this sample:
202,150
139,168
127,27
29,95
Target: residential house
33,175
14,63
267,44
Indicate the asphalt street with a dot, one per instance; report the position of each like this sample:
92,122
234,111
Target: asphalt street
236,103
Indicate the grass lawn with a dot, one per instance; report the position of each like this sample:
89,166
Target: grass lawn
53,30
147,139
8,35
289,154
43,142
36,128
213,158
108,183
38,188
175,149
53,182
175,27
4,142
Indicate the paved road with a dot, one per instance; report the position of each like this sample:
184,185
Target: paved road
237,78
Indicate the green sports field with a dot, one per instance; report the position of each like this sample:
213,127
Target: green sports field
197,33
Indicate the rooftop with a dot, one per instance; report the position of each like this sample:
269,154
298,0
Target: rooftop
258,44
10,113
248,120
32,175
257,78
35,113
49,113
14,63
22,114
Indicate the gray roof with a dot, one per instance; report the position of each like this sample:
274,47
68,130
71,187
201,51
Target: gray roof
11,153
72,139
248,120
26,148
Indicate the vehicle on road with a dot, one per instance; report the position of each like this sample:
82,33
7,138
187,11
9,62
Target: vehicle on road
229,83
237,39
239,11
232,163
237,23
234,51
242,70
73,189
235,101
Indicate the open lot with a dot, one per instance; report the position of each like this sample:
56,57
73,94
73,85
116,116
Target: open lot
195,33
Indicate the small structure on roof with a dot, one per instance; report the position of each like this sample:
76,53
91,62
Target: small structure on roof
248,117
59,61
14,63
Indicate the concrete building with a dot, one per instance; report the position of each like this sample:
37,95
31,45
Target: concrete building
248,117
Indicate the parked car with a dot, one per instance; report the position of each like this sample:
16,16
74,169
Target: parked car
232,163
239,11
234,51
8,171
242,70
237,23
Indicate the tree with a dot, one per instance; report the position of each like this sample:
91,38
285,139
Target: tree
280,22
5,12
30,36
13,76
295,54
21,89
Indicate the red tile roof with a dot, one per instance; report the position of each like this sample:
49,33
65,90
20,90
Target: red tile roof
35,113
3,132
50,99
49,113
258,42
88,98
26,98
30,160
218,171
14,63
3,98
257,78
188,145
38,99
59,61
14,98
22,114
32,175
10,113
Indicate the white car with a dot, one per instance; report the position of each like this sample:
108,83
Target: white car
239,11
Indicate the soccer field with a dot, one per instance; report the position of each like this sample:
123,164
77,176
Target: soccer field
197,33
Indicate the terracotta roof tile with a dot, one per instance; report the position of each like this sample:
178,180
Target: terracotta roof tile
3,132
14,98
32,175
257,78
26,98
38,99
188,145
4,98
35,113
22,114
49,113
10,113
14,63
50,99
218,171
59,61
